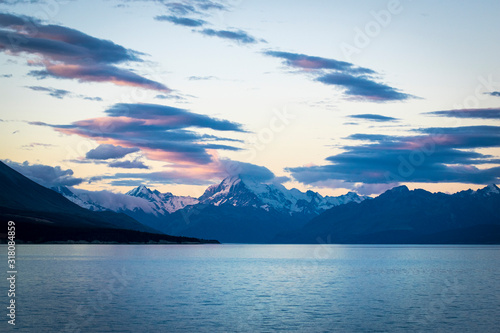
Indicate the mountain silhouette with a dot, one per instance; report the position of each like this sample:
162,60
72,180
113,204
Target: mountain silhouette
401,216
42,215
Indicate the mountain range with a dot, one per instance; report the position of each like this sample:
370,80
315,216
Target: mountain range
401,216
241,210
236,210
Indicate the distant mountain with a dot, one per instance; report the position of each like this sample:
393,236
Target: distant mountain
236,210
403,216
42,215
241,210
81,200
151,208
162,203
242,192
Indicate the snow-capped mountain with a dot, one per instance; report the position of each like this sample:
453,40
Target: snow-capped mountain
147,205
82,200
138,200
164,203
485,192
489,190
244,192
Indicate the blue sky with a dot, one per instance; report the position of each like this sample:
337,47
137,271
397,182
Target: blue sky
325,95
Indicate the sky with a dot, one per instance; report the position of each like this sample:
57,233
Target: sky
331,96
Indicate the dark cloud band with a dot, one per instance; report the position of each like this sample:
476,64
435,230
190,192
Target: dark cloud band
359,83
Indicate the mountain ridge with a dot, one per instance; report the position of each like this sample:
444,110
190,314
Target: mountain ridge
400,215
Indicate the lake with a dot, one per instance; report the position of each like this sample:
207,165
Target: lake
255,288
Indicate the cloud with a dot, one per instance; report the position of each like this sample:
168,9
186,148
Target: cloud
33,145
199,175
193,14
359,83
68,53
162,132
239,36
436,155
126,182
373,117
7,76
193,7
45,175
107,151
200,78
162,177
363,87
209,5
95,99
98,73
57,93
306,62
171,117
493,93
465,137
16,2
246,170
61,93
492,113
184,21
180,8
178,98
136,164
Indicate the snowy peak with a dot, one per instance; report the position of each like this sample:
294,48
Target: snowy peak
489,190
143,192
139,199
162,203
492,189
82,201
249,193
231,190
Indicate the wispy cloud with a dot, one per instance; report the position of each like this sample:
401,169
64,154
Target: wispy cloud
493,93
210,5
16,2
305,62
202,78
184,21
373,117
68,53
180,8
193,6
62,93
6,76
34,145
193,14
359,83
238,36
57,93
436,155
492,113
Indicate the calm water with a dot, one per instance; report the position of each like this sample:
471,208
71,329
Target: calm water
255,288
